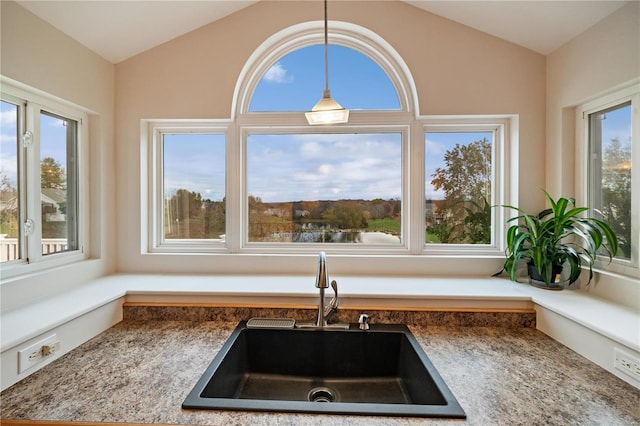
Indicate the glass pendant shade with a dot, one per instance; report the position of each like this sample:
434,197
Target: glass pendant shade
327,111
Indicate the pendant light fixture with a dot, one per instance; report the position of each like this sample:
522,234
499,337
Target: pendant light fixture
327,111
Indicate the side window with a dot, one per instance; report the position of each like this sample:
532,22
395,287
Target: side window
610,191
608,133
459,185
193,186
58,183
11,243
188,187
41,194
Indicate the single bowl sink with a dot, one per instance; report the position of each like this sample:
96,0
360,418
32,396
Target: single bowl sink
380,371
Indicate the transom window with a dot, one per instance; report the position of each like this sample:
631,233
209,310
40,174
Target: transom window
295,82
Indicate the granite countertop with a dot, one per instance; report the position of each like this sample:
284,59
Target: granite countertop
501,369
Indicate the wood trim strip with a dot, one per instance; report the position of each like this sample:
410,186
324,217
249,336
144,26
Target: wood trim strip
345,308
69,423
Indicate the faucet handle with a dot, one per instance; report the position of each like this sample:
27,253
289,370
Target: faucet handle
364,322
334,302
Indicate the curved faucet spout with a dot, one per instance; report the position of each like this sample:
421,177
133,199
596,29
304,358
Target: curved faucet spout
322,282
322,276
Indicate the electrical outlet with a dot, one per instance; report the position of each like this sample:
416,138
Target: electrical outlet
38,352
626,363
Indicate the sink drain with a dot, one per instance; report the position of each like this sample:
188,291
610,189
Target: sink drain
321,394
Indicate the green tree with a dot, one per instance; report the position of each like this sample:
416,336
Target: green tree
346,214
214,220
466,182
52,175
9,212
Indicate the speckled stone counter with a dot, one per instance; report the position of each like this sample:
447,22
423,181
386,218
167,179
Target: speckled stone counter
503,372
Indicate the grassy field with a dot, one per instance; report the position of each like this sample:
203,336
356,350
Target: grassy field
385,225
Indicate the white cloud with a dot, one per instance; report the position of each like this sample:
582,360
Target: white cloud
9,167
431,193
8,118
8,138
435,148
277,74
325,169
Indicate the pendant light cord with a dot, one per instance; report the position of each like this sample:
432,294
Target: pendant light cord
326,93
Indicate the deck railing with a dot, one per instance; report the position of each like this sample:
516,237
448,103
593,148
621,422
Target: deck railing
9,249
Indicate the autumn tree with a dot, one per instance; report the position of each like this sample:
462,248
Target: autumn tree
52,175
466,182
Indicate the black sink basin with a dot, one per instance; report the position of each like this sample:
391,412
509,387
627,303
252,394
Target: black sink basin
381,371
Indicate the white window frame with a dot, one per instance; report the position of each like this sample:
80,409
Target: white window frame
155,203
628,92
406,120
504,181
33,102
260,247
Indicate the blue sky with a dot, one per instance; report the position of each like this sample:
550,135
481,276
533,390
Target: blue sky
52,140
617,124
296,81
324,166
8,144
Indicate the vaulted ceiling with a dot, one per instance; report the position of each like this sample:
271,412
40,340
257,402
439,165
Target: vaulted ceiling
117,30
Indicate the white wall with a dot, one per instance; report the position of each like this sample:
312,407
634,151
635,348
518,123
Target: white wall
598,60
36,54
457,70
602,58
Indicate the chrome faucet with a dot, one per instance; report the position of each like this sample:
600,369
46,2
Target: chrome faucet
322,282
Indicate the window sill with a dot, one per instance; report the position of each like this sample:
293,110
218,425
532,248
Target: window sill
402,293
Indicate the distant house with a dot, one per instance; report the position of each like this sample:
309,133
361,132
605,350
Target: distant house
8,201
434,212
54,202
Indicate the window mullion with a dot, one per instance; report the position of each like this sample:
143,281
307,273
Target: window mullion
415,177
32,226
235,197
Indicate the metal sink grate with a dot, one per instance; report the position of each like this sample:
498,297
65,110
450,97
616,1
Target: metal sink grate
271,323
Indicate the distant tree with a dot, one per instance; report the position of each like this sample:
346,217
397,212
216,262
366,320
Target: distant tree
616,192
466,182
214,220
9,214
6,185
52,175
187,204
184,210
346,214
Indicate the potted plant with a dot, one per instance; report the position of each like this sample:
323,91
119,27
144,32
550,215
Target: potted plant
554,237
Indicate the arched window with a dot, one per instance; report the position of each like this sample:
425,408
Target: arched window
341,185
296,81
363,67
385,182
